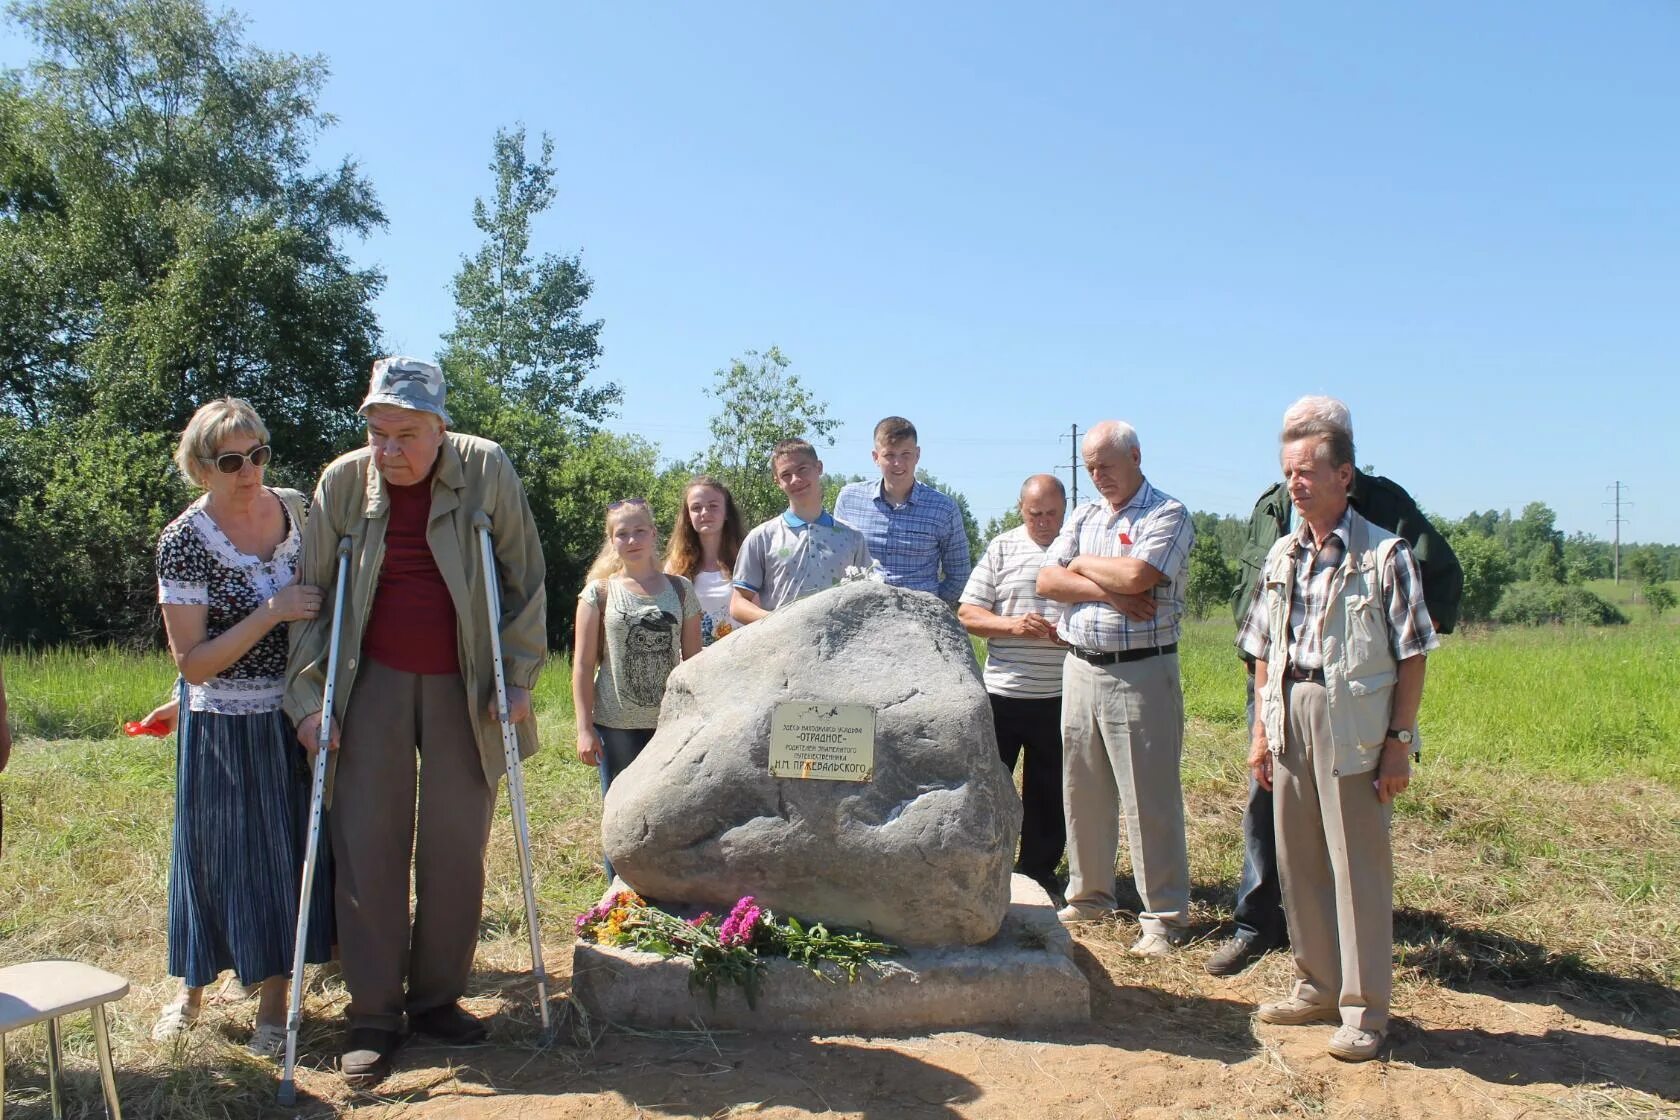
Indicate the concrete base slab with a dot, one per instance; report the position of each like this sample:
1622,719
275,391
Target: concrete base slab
1024,976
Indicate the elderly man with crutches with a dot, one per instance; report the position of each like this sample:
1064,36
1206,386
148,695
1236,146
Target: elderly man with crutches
439,531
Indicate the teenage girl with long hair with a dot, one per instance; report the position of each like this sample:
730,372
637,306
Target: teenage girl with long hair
634,625
704,543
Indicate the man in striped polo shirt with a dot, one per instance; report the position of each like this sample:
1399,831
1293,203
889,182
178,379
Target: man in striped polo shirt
1120,565
914,532
1024,669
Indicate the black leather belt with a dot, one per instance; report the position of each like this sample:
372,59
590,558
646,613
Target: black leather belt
1115,657
1316,676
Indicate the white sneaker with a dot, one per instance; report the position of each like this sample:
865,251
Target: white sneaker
1077,913
1153,945
1351,1044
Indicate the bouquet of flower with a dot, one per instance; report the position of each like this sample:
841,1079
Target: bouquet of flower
732,948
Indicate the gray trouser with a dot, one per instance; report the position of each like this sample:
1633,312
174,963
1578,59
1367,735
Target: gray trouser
1122,738
374,836
1337,866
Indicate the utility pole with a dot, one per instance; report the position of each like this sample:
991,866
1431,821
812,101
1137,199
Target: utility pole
1073,465
1616,547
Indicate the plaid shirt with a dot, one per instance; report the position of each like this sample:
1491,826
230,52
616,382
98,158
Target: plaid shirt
920,544
1410,631
1151,527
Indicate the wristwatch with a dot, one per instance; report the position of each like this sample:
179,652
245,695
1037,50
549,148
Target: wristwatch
1402,735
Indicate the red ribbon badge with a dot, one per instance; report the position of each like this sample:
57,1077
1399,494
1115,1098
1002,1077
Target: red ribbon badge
1124,539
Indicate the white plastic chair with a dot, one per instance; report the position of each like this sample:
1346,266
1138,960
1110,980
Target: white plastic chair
47,991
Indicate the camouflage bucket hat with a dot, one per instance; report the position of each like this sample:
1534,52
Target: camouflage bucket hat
406,383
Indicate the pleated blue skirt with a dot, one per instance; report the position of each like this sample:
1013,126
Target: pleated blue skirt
241,824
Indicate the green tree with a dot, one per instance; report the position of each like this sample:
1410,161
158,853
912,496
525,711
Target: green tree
166,236
1585,557
1537,545
1660,598
1644,566
759,404
971,528
997,526
518,362
1211,577
1488,571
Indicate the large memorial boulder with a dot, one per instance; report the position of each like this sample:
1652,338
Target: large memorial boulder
920,854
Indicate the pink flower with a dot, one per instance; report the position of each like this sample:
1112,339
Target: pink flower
704,917
741,925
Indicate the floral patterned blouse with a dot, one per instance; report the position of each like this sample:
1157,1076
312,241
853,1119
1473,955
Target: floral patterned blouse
198,565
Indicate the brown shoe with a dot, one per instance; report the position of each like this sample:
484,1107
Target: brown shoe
448,1024
1237,953
367,1056
1295,1012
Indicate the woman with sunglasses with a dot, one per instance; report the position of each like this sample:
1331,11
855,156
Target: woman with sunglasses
227,571
634,625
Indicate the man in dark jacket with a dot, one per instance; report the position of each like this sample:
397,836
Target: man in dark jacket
1259,909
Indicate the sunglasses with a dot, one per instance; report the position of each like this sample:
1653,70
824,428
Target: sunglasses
232,461
626,502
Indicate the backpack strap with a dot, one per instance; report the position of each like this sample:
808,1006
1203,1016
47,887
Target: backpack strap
601,591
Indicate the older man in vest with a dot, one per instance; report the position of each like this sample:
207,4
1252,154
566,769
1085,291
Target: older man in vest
1258,916
1339,634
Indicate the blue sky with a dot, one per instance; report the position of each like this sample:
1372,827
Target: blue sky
1462,219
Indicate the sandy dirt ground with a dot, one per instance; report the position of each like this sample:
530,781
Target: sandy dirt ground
1166,1040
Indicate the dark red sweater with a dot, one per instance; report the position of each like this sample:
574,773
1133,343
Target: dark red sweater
412,625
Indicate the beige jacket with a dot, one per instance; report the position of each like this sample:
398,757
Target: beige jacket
1359,669
351,500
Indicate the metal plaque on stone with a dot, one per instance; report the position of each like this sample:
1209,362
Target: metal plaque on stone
828,742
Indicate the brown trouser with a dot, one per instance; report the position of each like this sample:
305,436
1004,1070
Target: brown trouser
1337,867
1122,741
374,836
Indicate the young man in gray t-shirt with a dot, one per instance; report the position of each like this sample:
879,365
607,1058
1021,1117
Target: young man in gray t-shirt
800,551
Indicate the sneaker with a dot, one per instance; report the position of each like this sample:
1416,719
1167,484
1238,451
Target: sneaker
1351,1044
367,1056
1153,945
1077,913
1295,1011
1237,953
447,1024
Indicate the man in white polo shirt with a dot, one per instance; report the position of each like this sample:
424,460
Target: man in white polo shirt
1024,669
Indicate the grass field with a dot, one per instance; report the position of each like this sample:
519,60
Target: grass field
1539,845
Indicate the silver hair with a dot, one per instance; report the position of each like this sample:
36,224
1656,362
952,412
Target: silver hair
1115,434
1326,410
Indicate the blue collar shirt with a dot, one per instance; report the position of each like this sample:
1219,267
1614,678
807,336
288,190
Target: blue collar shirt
920,543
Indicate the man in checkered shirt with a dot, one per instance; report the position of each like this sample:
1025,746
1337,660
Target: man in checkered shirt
1119,565
914,532
1339,634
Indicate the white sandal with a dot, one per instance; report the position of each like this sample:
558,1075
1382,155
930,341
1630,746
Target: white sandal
267,1041
174,1020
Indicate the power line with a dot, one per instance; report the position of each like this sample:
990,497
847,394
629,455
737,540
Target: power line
1617,521
1073,464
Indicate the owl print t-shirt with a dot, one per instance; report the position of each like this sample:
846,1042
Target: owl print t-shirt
643,644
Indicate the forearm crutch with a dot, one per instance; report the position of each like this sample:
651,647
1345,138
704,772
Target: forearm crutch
312,851
510,752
